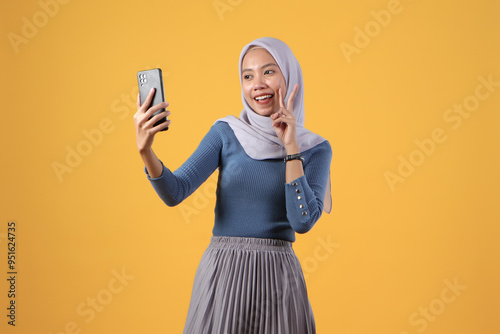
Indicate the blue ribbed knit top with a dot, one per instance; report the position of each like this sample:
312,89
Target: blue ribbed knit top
253,198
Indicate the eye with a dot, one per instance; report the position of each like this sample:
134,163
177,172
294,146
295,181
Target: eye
247,76
269,72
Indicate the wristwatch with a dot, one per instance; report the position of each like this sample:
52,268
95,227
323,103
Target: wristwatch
297,156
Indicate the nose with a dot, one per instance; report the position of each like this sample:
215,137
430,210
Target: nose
259,82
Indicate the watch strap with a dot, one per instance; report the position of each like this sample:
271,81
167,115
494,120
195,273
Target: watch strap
296,156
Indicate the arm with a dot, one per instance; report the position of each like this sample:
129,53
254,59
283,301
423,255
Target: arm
174,187
305,185
145,131
294,168
305,194
152,163
284,125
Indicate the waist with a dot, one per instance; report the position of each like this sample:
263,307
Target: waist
246,243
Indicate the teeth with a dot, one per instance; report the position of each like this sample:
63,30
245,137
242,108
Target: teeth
258,98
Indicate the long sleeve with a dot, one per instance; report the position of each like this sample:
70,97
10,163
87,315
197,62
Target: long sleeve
253,198
305,195
174,187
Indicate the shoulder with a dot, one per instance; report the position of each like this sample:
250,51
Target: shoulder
218,129
219,135
221,125
222,129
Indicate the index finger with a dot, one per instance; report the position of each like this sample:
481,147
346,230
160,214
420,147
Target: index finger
291,98
147,102
281,99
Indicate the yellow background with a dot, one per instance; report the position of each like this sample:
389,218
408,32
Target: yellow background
391,251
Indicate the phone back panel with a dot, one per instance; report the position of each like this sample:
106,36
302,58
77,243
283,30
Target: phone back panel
148,79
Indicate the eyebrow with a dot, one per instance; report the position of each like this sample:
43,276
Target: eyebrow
263,66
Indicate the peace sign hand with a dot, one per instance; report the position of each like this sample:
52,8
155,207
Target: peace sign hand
284,122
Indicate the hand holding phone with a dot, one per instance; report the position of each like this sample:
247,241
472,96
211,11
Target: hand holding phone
150,102
148,79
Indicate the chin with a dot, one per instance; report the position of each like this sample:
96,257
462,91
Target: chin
264,111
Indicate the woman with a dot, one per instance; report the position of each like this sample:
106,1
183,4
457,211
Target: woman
273,182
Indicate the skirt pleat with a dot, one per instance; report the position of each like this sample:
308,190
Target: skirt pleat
249,286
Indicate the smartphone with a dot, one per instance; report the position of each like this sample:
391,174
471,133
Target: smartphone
148,79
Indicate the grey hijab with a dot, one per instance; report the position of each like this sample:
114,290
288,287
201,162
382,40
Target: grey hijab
255,132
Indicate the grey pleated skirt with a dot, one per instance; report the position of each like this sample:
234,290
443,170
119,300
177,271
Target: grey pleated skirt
249,286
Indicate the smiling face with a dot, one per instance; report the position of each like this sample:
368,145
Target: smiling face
261,78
